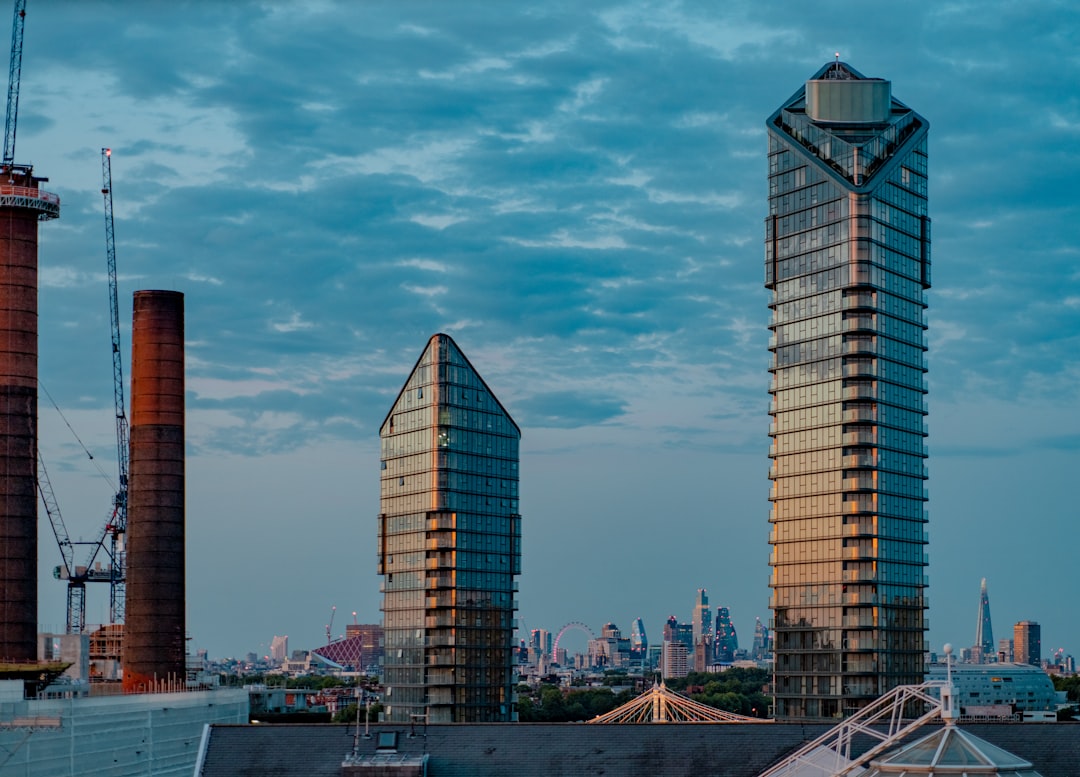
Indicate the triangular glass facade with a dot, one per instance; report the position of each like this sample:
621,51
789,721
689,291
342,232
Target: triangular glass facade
449,544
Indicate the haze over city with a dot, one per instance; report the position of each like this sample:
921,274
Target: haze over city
576,195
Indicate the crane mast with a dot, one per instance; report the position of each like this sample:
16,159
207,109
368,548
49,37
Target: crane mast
76,597
117,527
14,77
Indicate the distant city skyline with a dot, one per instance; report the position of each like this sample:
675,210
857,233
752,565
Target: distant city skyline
576,195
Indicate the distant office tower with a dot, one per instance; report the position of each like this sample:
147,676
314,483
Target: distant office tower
727,642
671,628
279,648
847,260
449,543
762,644
1005,650
639,641
701,620
684,633
984,633
1027,643
674,660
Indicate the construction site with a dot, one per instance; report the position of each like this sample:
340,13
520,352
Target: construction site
116,697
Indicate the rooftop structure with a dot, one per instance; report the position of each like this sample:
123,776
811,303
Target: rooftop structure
542,750
847,262
951,750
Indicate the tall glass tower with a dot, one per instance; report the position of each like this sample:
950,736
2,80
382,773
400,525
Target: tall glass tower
984,632
449,544
847,261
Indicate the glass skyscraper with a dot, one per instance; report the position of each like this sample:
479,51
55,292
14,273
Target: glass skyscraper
449,544
847,261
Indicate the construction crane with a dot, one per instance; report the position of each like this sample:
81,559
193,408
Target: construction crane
76,598
330,625
76,576
116,527
14,77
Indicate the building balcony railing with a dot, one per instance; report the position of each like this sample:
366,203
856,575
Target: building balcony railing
45,203
440,677
868,483
860,438
865,369
859,323
857,414
856,301
865,391
856,599
860,460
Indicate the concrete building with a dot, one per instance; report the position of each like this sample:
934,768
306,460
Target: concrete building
449,544
674,660
847,262
1027,643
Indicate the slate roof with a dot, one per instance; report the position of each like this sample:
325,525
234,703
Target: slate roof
552,749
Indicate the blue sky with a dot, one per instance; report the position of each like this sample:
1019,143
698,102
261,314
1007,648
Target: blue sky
576,193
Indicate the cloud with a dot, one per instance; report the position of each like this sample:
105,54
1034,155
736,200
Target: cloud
567,409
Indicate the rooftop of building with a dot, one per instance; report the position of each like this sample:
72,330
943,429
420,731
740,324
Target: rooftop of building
525,749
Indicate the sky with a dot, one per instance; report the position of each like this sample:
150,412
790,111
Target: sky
576,193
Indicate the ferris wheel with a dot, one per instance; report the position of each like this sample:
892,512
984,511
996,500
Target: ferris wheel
576,625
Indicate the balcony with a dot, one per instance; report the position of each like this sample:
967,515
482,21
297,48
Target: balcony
863,369
860,438
857,599
440,581
859,346
858,530
440,677
859,324
857,461
441,561
860,414
856,301
865,483
862,391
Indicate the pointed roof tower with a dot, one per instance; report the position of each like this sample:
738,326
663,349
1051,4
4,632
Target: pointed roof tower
984,632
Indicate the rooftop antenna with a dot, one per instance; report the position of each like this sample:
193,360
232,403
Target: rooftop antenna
948,710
